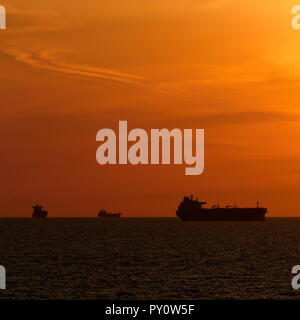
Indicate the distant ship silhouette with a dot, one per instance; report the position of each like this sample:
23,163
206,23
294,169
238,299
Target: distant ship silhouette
105,214
38,212
191,209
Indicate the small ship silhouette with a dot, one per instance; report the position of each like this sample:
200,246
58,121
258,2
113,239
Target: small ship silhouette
191,209
105,214
38,212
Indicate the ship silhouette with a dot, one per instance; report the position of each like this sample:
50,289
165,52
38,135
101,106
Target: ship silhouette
105,214
38,212
191,209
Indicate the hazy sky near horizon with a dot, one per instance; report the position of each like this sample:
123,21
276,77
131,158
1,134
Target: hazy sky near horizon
70,68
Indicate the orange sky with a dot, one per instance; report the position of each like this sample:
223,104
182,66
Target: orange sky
69,69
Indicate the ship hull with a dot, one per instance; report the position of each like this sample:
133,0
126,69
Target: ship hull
223,214
109,217
39,216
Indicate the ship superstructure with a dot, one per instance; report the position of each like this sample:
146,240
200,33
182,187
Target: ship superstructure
38,212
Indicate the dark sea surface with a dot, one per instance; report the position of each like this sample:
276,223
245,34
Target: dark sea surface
148,259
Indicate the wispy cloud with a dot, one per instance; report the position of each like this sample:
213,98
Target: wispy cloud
45,60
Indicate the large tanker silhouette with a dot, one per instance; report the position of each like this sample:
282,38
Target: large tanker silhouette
191,209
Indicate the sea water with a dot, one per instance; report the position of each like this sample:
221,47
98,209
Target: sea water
148,259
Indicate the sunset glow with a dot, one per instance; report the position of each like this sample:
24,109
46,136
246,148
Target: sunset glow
69,69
